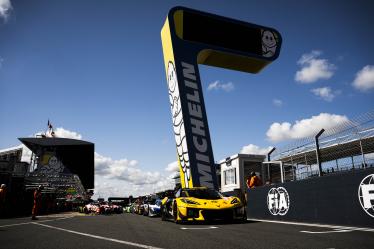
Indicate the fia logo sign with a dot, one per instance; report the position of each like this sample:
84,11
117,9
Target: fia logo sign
366,194
278,201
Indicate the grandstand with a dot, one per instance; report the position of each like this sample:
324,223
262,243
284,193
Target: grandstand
348,146
63,166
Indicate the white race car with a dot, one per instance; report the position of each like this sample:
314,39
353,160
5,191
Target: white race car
152,207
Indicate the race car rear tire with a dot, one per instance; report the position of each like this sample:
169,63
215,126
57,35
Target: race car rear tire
176,213
244,219
144,212
163,212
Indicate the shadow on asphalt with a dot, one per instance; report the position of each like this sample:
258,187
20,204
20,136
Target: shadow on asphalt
218,222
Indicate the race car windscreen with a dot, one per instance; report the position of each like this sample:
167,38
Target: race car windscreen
152,201
209,194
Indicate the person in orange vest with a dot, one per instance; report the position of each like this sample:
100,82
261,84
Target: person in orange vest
2,199
254,181
37,202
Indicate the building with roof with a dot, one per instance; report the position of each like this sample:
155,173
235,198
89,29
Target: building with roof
234,170
65,167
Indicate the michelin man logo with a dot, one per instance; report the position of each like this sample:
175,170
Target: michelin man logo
278,201
54,166
269,43
366,194
178,123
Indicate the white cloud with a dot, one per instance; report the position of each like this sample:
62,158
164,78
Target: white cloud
113,187
364,80
314,68
125,177
217,85
59,132
63,133
277,102
303,128
324,93
172,167
5,8
1,62
369,156
26,153
122,177
124,169
255,150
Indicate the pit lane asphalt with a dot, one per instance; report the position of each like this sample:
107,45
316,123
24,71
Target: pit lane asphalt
120,230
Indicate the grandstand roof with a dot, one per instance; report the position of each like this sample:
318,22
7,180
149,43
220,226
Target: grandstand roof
328,153
10,150
51,141
76,155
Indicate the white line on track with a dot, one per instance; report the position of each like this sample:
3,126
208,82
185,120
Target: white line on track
99,237
197,228
364,229
333,231
32,222
17,224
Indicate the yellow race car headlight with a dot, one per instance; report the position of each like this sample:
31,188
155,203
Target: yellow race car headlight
191,202
235,201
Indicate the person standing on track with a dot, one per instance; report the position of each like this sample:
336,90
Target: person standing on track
2,200
254,181
37,202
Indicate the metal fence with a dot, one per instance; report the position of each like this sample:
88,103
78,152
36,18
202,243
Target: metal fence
349,146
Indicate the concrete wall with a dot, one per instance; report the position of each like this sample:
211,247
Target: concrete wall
332,199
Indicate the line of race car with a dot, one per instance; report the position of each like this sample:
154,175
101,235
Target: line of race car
184,205
101,208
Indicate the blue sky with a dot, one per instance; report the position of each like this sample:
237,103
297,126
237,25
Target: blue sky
96,68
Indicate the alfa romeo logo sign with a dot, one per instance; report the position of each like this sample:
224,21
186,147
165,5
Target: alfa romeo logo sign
366,194
278,201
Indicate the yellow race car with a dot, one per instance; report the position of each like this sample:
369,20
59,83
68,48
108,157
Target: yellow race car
201,204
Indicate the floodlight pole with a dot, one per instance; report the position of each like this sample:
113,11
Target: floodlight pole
281,171
269,153
269,168
362,154
318,154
